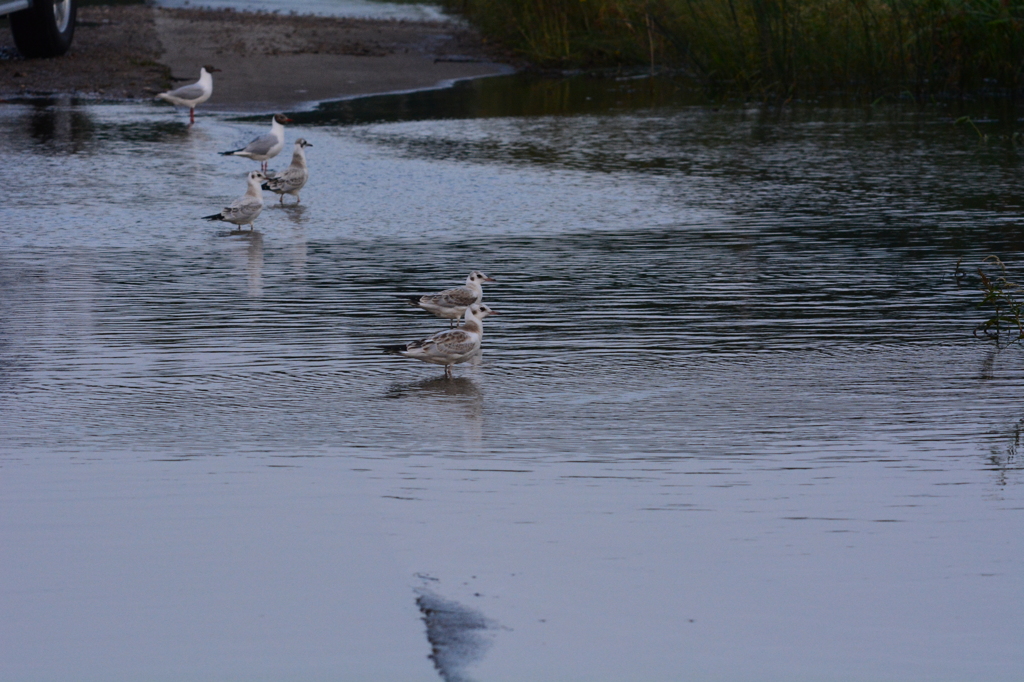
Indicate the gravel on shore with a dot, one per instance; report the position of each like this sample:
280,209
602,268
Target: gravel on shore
268,60
114,54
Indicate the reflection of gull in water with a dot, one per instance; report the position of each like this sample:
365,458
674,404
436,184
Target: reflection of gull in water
255,263
193,95
245,209
297,250
449,347
460,399
294,177
451,304
457,387
295,213
266,147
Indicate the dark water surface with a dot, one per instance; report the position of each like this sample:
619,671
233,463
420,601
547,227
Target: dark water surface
731,423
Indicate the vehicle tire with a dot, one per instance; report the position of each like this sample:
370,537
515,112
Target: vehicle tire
45,29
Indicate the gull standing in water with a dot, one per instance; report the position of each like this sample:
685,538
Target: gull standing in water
449,347
193,95
451,304
293,178
245,209
265,147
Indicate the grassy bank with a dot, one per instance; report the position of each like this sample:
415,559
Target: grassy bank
775,47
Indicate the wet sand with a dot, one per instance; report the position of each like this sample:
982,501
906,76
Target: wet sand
267,61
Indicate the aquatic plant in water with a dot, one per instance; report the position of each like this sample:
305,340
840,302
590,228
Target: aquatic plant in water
1005,324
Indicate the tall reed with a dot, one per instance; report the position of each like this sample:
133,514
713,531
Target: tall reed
779,47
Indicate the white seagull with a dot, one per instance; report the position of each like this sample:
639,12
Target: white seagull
266,147
293,178
451,304
245,209
193,95
449,347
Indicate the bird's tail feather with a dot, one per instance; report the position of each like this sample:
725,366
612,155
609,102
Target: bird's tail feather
411,300
215,216
230,152
395,350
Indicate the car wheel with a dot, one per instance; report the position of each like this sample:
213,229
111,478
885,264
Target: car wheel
45,29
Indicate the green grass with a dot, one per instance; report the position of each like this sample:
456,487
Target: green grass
775,47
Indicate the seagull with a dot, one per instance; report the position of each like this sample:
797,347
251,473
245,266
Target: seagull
292,178
245,209
192,96
451,304
268,146
449,347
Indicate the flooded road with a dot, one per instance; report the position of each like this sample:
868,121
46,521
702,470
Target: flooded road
730,424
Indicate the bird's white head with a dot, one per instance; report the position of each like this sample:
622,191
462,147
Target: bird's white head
256,176
476,277
480,311
301,142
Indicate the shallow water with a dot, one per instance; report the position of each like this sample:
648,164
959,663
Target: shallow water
731,423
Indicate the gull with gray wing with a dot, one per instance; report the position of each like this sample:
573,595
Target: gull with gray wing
449,347
265,147
294,177
193,95
451,304
245,209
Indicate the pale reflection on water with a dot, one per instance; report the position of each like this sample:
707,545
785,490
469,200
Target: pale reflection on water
254,262
730,424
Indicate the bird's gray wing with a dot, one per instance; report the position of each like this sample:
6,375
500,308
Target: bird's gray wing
261,145
289,179
246,207
459,297
194,91
454,342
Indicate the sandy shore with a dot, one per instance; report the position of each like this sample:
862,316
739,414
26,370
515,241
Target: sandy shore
267,61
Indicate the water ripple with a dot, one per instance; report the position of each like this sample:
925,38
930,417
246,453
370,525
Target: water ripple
675,283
